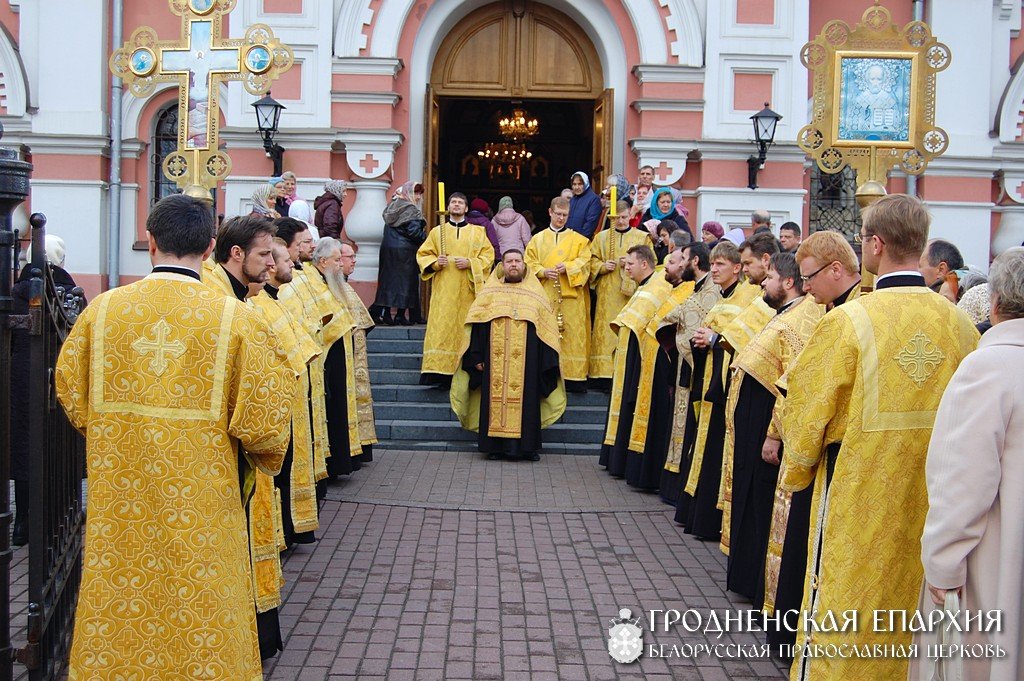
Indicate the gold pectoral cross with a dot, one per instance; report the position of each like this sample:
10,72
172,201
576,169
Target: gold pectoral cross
161,347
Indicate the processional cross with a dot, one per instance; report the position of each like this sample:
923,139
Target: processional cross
200,61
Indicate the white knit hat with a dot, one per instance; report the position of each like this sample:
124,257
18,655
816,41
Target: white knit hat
54,247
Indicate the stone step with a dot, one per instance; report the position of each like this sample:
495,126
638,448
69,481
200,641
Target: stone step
395,360
441,431
411,391
441,411
387,346
397,333
408,376
383,393
548,448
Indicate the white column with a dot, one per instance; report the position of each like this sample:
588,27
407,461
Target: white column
365,226
369,154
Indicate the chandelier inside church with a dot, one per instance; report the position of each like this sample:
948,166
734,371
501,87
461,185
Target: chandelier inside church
506,157
518,126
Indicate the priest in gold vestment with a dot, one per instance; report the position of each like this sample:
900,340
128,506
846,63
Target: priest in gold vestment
244,256
750,474
560,258
361,368
612,288
830,273
456,259
297,479
509,386
861,402
697,507
636,355
167,378
677,323
308,303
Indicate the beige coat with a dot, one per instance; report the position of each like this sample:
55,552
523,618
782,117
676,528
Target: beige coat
975,473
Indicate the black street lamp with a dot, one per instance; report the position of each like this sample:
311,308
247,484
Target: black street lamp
268,115
765,121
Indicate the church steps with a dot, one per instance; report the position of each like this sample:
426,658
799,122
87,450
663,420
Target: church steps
441,411
419,418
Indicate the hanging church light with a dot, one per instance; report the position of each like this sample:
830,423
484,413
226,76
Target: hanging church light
518,125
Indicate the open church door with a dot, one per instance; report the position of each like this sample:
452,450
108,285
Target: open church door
603,134
432,135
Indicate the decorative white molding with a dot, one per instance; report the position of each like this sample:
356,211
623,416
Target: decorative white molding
292,140
1009,120
391,98
642,105
70,145
349,39
668,73
366,66
684,20
369,153
660,153
15,78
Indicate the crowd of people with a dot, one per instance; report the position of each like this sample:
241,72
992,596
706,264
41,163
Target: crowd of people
850,452
785,415
218,396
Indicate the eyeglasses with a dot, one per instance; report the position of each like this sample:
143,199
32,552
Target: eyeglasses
813,274
861,237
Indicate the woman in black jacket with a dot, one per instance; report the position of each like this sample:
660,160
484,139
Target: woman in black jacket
398,277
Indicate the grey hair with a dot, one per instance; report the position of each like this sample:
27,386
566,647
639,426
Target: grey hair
1006,283
325,248
288,175
970,277
761,217
681,238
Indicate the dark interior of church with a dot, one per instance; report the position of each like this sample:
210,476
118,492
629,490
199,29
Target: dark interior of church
562,144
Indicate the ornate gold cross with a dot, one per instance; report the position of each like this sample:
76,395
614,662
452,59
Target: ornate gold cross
200,61
161,347
919,358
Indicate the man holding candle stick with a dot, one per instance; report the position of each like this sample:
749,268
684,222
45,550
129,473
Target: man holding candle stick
456,258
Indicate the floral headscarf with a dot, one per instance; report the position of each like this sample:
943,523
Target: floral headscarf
403,207
337,188
260,196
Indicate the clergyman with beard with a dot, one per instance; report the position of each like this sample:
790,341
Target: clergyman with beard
342,431
508,385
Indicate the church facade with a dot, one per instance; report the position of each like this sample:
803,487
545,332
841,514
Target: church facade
386,91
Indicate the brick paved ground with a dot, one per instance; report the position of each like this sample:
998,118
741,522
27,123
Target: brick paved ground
447,566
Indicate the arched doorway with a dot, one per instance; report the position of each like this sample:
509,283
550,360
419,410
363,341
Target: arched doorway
507,56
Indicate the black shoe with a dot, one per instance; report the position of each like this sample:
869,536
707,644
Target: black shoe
533,457
493,456
386,319
403,321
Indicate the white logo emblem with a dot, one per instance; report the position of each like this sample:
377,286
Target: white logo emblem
625,638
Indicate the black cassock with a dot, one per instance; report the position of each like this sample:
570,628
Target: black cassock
341,461
700,514
672,483
790,592
541,377
644,469
613,457
753,492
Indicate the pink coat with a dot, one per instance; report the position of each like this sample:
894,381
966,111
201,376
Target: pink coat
513,230
975,473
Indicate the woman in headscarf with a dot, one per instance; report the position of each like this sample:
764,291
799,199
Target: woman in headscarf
328,216
291,181
398,277
710,232
512,228
662,208
263,202
279,203
584,206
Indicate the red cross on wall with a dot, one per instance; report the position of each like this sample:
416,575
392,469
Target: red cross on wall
369,164
1020,190
663,171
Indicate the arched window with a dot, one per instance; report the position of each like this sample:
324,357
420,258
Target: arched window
165,141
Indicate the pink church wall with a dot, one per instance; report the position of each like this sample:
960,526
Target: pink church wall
10,21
